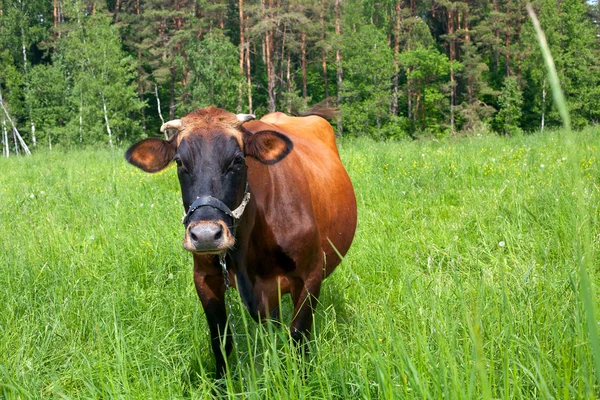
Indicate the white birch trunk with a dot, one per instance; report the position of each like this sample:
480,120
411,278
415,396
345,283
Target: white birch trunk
106,120
33,139
543,104
81,120
16,142
16,134
162,120
5,149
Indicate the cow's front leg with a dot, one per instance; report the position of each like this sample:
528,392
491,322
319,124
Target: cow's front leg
305,296
211,290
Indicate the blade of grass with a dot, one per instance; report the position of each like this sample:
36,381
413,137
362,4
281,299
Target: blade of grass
582,220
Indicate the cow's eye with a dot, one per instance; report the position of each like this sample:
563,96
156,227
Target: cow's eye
236,164
178,161
238,160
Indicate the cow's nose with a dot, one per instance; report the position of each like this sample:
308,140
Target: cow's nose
206,236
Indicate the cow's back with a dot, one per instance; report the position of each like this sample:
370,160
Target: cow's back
314,164
309,127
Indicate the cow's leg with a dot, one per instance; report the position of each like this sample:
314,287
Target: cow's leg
211,290
305,297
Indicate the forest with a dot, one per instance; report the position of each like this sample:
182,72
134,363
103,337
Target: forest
93,72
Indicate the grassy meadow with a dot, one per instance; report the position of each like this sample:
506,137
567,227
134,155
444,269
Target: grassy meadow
463,280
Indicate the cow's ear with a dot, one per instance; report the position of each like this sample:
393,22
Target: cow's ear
152,154
267,147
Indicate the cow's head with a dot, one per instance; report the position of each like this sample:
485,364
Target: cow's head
209,148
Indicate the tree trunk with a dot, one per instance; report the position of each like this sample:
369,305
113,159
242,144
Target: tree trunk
117,7
411,124
409,105
16,135
303,62
323,52
416,107
270,70
518,40
543,104
16,142
396,60
452,51
138,12
33,138
338,60
141,92
5,137
81,118
507,56
240,84
289,85
248,75
507,38
279,40
172,94
467,33
162,120
106,120
268,55
497,37
143,111
55,18
281,57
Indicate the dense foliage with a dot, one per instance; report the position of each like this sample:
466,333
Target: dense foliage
94,71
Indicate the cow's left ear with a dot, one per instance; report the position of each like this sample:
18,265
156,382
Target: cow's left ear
268,147
152,154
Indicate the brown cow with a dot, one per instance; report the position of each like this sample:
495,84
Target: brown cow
291,200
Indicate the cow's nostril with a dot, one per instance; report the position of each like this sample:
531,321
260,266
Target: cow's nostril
219,233
193,236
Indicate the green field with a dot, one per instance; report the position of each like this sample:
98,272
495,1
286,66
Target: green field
463,280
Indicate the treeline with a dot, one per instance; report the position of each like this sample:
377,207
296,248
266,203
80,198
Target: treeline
92,71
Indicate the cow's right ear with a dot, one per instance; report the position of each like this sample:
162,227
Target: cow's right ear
152,154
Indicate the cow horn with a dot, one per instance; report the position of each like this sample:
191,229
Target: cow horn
245,117
175,124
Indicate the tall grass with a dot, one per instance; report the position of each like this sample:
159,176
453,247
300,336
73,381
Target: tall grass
580,221
462,281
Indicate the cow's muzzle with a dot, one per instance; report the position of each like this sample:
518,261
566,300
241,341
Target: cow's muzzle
208,237
212,237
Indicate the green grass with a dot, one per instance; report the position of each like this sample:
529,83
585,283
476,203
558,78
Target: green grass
463,280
